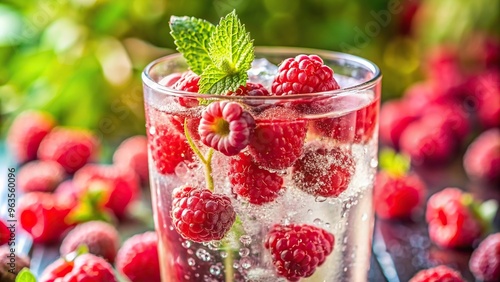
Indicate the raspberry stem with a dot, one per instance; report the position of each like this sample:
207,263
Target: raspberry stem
207,161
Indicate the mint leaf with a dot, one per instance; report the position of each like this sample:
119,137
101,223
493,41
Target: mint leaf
191,36
231,53
25,275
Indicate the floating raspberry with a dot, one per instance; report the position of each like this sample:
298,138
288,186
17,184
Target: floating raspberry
201,216
26,134
100,237
71,148
278,138
253,183
440,273
193,122
298,249
4,233
482,158
485,260
394,119
451,223
250,90
188,82
323,171
7,272
83,268
138,258
41,176
133,153
226,127
303,74
170,79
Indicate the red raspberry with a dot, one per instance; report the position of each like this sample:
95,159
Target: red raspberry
7,273
451,116
71,148
278,138
201,216
451,223
67,189
440,273
253,183
100,237
482,158
322,171
138,258
84,268
188,82
170,79
120,184
41,176
44,216
26,133
303,74
226,127
485,260
485,88
394,119
193,122
397,196
4,233
251,90
133,153
298,249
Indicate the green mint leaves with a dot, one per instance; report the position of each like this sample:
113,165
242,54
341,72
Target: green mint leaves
221,55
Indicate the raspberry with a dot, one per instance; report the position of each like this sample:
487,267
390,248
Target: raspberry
440,273
191,118
84,268
397,197
41,176
138,258
485,260
201,216
170,80
394,119
26,133
71,148
482,158
226,127
451,116
451,223
44,216
7,272
322,171
485,89
133,153
303,74
67,189
101,238
187,82
251,90
298,249
253,183
4,233
120,185
278,138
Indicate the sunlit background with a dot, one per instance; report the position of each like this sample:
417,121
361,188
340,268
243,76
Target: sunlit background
81,59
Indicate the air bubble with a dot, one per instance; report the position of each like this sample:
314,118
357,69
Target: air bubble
186,244
191,261
244,252
203,255
320,199
374,163
345,269
223,254
246,240
215,270
236,265
152,130
318,221
214,245
327,225
245,263
364,217
309,211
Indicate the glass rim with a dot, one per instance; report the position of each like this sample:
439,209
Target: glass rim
372,67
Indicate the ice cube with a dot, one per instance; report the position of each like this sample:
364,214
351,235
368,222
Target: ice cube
262,72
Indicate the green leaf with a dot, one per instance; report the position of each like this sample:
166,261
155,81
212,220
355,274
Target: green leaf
191,36
82,249
25,275
231,53
393,163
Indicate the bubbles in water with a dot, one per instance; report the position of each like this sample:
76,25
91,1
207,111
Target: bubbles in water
318,221
327,225
236,265
262,72
244,252
215,270
364,217
186,277
320,199
223,254
214,245
374,163
186,244
246,240
191,261
203,255
309,211
152,130
345,269
245,263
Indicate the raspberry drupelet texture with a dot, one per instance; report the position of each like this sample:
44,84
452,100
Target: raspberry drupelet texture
440,273
41,176
138,258
303,74
298,249
84,268
189,82
226,127
200,215
485,260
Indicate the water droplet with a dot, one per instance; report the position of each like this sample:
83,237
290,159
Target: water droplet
203,255
320,199
244,252
196,275
214,245
152,130
364,217
236,265
246,240
345,269
215,270
245,263
186,244
223,254
186,277
318,221
327,225
171,228
191,262
309,211
374,163
345,240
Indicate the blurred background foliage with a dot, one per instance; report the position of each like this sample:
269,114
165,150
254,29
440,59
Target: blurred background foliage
81,59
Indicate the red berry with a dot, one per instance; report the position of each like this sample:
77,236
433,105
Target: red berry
4,233
398,197
191,118
201,216
451,223
303,74
482,158
120,185
298,249
322,171
71,148
44,216
138,258
485,260
67,189
133,153
41,176
450,116
251,90
188,82
278,138
170,79
253,183
485,88
226,127
84,268
26,133
394,119
100,237
8,269
438,274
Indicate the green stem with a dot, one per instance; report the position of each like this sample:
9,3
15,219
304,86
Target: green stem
228,266
207,161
